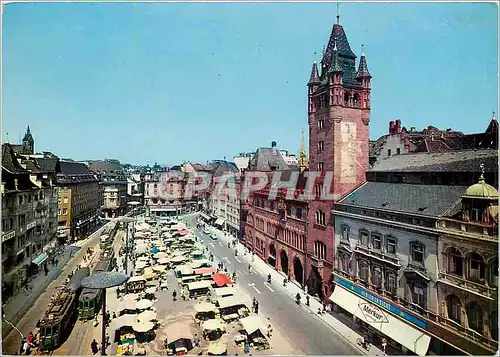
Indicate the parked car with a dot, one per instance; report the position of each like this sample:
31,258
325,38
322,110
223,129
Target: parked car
213,236
206,231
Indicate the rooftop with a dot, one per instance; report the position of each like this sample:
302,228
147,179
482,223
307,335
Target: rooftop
452,161
423,200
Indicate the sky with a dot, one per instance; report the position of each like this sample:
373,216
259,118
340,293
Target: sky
168,82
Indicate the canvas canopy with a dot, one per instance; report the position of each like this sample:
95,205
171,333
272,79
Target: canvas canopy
205,271
143,326
127,304
144,304
231,301
163,261
147,315
185,270
253,323
199,285
178,259
136,278
213,325
224,292
124,320
205,307
217,348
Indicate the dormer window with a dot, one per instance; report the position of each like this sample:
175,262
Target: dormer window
475,215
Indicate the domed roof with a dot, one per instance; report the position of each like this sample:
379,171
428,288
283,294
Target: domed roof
481,190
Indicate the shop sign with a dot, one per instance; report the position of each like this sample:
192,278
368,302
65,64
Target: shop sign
372,313
7,236
382,303
31,225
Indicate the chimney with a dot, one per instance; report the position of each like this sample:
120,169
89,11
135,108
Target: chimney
398,126
412,129
391,127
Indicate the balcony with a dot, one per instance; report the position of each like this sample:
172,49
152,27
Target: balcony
475,228
377,254
471,286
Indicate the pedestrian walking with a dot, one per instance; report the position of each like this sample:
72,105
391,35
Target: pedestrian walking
256,307
93,347
269,330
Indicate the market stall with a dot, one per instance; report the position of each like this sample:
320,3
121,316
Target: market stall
204,311
198,288
213,329
255,329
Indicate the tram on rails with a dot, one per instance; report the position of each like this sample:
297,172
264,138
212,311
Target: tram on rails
60,316
90,300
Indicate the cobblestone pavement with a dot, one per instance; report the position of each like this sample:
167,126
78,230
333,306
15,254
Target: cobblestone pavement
35,304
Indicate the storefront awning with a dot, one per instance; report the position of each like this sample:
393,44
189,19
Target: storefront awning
391,326
205,217
40,259
219,222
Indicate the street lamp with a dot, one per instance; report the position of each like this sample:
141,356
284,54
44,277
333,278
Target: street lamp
103,281
126,220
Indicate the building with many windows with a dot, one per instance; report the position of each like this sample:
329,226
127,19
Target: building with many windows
80,199
29,218
114,186
224,202
415,251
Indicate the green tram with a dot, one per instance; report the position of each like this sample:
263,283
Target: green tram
89,302
108,235
59,318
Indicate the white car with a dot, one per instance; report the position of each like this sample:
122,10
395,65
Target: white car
206,231
213,236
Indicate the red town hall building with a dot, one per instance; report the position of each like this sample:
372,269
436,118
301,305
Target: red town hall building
296,236
339,115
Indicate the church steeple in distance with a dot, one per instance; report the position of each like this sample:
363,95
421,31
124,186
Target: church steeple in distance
28,142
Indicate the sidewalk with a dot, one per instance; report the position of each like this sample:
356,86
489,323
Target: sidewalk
292,288
19,305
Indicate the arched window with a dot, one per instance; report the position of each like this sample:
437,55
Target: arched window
476,267
493,272
347,96
475,317
344,265
377,276
391,282
454,307
355,100
363,270
455,262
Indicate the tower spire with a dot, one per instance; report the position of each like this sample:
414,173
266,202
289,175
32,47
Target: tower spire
338,16
302,155
314,78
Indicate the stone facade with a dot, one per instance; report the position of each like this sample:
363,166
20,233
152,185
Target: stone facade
29,217
80,200
276,231
114,186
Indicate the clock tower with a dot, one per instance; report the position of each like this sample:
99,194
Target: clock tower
339,116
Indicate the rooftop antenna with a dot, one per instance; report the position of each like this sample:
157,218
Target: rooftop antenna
7,138
338,16
362,50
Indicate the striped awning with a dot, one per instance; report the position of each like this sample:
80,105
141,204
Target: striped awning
40,259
